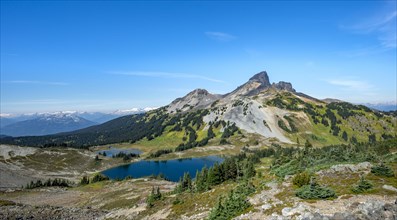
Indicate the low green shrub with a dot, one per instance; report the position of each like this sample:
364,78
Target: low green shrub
177,201
98,178
233,204
315,191
301,179
382,170
84,180
154,196
223,142
362,185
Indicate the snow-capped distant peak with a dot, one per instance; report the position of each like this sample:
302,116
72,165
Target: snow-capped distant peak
70,112
128,111
150,108
76,115
133,110
59,116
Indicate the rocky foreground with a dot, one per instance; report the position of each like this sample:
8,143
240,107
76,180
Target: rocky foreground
371,210
48,212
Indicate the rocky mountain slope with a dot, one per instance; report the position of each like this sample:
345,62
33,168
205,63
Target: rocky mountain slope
276,110
272,112
196,99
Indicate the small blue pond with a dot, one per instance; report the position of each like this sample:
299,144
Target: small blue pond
114,151
172,169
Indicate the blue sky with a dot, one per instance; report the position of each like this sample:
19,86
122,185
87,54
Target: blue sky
103,56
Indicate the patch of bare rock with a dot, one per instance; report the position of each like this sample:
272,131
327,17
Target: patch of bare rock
23,212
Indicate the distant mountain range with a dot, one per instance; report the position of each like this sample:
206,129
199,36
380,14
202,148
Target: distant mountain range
387,106
56,122
46,124
256,111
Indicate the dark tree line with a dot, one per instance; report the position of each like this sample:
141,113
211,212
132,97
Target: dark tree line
236,167
289,161
125,156
48,183
229,130
160,152
96,178
129,128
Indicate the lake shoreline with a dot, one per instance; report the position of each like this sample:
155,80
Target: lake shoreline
172,170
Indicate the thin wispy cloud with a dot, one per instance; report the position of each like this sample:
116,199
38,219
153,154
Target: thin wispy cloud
353,85
354,90
375,23
382,24
372,50
81,102
37,102
36,82
168,75
220,36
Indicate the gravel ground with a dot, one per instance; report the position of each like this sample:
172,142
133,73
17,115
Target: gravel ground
23,212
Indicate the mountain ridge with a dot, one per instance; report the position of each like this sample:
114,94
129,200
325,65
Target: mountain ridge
269,113
96,117
46,124
196,99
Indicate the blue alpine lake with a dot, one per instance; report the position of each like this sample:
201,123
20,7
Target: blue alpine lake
172,169
111,151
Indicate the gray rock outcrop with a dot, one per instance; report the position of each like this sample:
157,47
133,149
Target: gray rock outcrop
283,86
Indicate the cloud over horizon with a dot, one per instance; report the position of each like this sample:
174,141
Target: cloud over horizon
34,82
355,85
220,36
165,75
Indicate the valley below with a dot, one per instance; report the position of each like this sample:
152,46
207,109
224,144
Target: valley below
274,197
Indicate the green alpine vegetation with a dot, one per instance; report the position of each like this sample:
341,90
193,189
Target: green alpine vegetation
362,186
315,191
233,204
289,161
276,112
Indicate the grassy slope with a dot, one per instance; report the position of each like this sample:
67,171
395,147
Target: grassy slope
171,139
66,160
321,135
